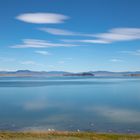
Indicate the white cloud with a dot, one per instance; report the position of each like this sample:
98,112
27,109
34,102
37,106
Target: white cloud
117,34
98,41
55,31
137,52
95,41
113,35
30,62
42,18
34,43
120,34
43,52
116,60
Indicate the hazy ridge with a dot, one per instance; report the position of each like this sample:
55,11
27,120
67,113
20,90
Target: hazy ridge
64,73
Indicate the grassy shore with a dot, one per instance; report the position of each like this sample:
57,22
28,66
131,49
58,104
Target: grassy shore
65,136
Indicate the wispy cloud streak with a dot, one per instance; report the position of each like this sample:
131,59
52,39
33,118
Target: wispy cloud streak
113,35
55,31
137,52
34,43
43,52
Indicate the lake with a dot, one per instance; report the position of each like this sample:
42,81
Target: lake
70,103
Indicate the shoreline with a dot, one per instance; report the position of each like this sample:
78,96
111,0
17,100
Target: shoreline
65,135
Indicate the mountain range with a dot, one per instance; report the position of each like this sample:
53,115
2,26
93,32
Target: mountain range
64,73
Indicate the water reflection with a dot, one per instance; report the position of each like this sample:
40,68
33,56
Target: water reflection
116,114
49,83
105,105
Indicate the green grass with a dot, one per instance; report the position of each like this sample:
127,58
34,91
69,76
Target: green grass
65,136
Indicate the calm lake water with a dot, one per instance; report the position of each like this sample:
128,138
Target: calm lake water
70,103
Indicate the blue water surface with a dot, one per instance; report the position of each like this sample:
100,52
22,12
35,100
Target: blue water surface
70,103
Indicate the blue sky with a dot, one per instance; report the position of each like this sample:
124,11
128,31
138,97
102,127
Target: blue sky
70,35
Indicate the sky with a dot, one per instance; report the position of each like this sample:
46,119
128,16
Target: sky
70,35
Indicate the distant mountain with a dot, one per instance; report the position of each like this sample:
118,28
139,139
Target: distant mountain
64,73
108,73
32,73
58,72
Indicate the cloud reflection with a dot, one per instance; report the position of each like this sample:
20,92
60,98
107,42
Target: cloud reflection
35,105
117,114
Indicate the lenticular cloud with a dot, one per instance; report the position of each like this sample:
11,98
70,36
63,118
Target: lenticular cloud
42,18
